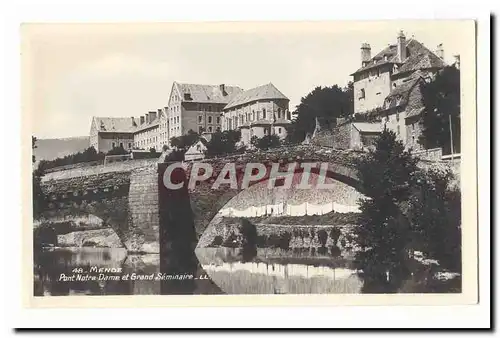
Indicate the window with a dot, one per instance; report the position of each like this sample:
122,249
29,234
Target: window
218,119
121,145
362,94
113,144
265,131
263,113
279,113
209,108
398,131
210,119
200,119
253,115
130,145
397,116
209,129
218,129
200,129
279,130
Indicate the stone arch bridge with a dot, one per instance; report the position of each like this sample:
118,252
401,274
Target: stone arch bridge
149,217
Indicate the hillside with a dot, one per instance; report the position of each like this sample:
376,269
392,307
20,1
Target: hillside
49,149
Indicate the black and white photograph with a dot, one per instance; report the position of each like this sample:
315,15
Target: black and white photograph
249,158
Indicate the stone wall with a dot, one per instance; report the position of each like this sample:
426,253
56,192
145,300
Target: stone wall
143,233
376,88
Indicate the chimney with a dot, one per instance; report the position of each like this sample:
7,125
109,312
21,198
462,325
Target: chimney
457,61
146,118
440,51
152,116
133,121
366,54
401,46
142,119
223,89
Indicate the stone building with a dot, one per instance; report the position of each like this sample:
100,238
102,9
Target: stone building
258,112
146,133
163,128
387,85
197,107
107,133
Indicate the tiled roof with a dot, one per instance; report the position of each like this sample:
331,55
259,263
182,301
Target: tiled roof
206,93
265,92
115,124
261,122
368,127
147,125
282,121
418,57
400,94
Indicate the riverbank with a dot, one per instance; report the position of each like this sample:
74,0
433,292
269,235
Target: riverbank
226,232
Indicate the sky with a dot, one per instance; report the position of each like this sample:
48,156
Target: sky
72,72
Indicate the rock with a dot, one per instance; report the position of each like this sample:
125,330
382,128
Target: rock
104,238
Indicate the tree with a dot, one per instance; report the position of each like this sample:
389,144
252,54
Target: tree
152,150
435,213
185,141
326,103
117,151
266,142
39,199
441,99
383,233
223,142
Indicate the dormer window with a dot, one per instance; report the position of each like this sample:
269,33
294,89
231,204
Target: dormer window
187,96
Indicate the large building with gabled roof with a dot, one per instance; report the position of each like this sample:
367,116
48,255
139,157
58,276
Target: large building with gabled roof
258,112
107,133
197,107
387,85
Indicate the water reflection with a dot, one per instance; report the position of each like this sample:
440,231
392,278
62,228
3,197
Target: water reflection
50,265
274,271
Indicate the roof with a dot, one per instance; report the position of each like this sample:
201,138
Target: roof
264,92
206,93
418,57
366,127
115,124
193,149
146,125
400,94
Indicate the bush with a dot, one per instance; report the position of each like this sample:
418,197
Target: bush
88,155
